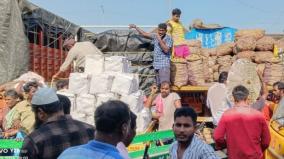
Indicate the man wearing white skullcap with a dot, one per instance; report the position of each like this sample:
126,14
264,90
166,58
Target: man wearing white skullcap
54,132
77,53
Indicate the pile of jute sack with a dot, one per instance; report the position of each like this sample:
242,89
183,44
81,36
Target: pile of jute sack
106,78
204,65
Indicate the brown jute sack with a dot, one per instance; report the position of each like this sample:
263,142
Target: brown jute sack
195,50
266,43
193,43
273,73
246,54
265,56
245,44
179,74
225,49
256,33
210,52
195,73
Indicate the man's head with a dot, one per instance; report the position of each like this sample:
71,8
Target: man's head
11,98
62,84
162,29
65,102
132,131
30,88
281,89
176,14
184,124
165,89
45,104
113,118
69,43
223,77
240,94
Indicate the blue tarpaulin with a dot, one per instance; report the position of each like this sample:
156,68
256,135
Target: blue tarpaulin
211,38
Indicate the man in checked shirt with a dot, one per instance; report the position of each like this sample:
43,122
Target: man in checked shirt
54,132
163,44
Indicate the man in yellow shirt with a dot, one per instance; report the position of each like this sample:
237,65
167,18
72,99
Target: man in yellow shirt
23,110
177,31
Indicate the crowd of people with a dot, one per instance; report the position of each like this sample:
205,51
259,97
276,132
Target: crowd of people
41,116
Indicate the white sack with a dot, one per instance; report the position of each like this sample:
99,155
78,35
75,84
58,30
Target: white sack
134,100
101,98
79,83
118,64
86,103
143,120
101,83
94,64
125,84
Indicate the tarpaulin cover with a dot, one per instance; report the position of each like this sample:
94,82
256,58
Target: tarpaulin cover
14,55
122,40
49,22
211,38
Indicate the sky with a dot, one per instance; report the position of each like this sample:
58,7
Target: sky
240,14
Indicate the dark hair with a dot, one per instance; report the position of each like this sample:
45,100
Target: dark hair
276,83
49,108
176,11
240,93
281,86
133,118
27,87
162,26
65,102
223,77
110,116
165,82
186,112
11,93
61,84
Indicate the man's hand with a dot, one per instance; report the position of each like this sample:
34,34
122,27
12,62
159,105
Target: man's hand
132,26
260,75
56,76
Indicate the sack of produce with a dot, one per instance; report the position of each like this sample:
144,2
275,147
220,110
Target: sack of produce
255,33
266,43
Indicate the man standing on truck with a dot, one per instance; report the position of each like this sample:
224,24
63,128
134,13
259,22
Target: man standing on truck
162,51
77,51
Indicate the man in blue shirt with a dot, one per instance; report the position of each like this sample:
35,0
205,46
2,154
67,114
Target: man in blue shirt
162,51
112,121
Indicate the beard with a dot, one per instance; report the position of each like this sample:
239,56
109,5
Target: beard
38,122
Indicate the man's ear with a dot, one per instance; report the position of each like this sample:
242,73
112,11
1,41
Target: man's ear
41,114
125,129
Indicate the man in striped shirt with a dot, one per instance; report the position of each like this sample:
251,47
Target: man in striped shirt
188,145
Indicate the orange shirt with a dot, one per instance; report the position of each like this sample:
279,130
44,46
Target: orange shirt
3,110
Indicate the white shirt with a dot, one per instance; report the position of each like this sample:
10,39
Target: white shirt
197,149
122,150
218,101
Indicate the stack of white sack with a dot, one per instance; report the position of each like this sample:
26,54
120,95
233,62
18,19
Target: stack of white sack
85,108
118,64
79,83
